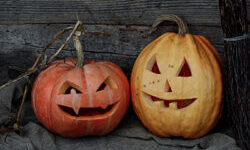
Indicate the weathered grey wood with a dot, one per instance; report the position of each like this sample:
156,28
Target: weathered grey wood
133,12
21,44
122,40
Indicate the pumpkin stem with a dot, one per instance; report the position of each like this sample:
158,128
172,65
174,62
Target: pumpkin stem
78,45
182,25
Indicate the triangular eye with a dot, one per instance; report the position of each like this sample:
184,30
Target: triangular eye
152,65
107,82
155,68
101,87
184,70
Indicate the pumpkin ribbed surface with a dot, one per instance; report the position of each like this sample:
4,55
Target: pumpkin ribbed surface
76,101
176,86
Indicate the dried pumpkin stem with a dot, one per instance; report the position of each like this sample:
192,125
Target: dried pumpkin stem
78,46
182,25
78,23
55,37
34,68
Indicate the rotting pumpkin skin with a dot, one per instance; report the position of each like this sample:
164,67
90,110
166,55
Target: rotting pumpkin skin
48,92
205,84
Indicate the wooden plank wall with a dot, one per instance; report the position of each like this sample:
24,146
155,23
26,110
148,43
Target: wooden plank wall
27,25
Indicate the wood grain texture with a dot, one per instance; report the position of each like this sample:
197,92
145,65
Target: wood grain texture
21,44
123,12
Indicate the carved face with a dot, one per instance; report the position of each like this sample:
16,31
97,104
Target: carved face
183,71
76,101
176,86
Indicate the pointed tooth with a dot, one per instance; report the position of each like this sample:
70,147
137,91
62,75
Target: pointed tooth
76,109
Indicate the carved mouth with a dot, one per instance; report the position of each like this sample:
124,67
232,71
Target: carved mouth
181,103
87,111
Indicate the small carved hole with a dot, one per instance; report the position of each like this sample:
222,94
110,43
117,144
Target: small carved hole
184,70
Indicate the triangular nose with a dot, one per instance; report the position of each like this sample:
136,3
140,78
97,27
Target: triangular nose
168,87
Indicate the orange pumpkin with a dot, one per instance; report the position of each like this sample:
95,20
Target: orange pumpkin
176,84
74,100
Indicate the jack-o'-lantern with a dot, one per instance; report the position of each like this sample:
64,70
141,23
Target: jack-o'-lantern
176,84
76,100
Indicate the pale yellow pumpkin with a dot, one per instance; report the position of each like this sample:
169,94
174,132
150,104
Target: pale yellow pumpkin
176,85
